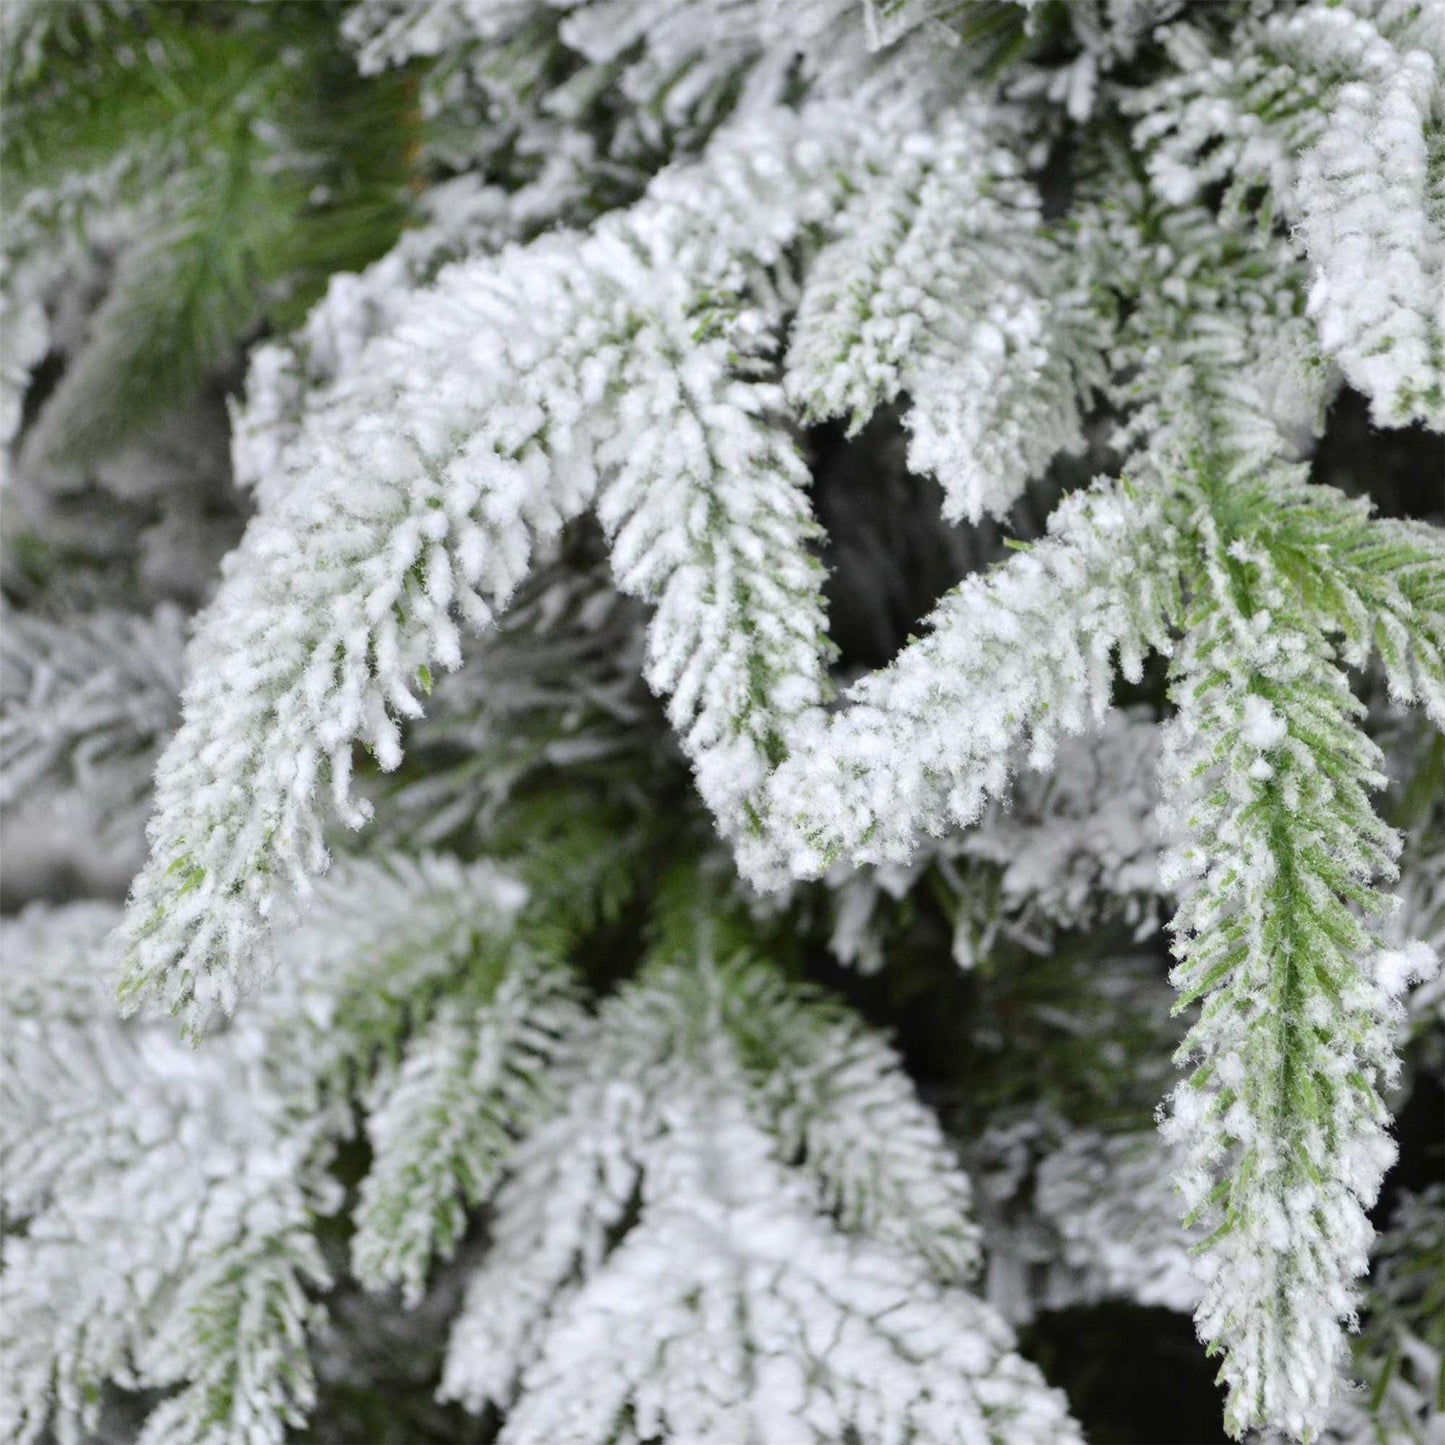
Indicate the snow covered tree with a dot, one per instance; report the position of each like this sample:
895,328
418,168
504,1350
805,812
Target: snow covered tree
747,528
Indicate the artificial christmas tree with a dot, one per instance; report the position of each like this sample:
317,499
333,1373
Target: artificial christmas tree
551,817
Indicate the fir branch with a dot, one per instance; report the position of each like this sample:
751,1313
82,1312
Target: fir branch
1400,1352
874,215
1075,1216
554,690
1024,652
86,703
341,637
1074,846
844,1111
388,941
943,285
442,1123
1377,582
238,1333
1282,1116
812,1338
170,1197
168,1207
1334,113
811,1333
1212,351
1370,199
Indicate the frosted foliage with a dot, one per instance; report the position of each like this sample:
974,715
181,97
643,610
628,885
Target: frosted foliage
733,1306
64,973
676,234
27,338
1245,116
1109,32
943,286
1070,847
1075,1216
1421,919
461,216
382,937
680,61
1082,832
832,1097
556,685
288,694
1336,110
1382,581
677,33
736,639
168,1196
1295,1035
569,1187
442,1123
40,309
167,1202
386,32
1372,198
319,631
1400,1354
928,739
680,56
755,1321
68,837
1215,356
840,1101
86,703
1110,1200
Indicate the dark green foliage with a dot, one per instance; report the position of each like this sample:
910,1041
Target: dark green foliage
256,160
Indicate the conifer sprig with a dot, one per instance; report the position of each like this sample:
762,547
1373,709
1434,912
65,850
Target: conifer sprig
1295,1038
661,1197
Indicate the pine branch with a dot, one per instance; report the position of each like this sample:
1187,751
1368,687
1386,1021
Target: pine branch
442,1123
168,1198
872,211
1334,112
1024,652
86,703
1372,203
943,285
168,1210
1400,1352
1295,1038
340,637
842,1107
1075,1216
388,941
1075,846
669,1137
